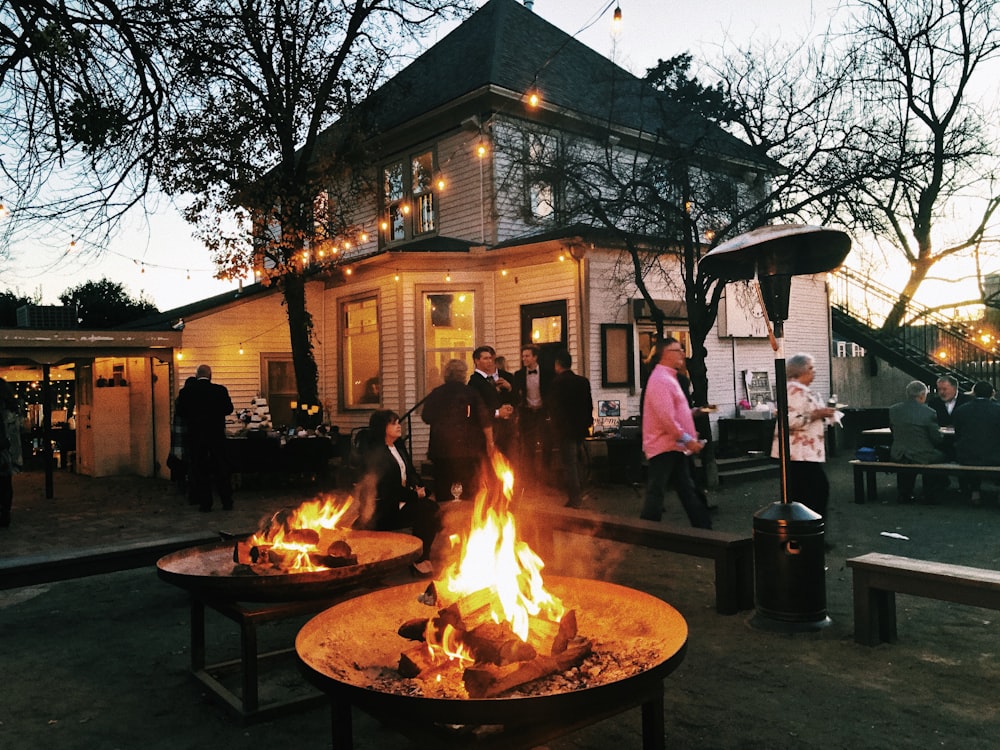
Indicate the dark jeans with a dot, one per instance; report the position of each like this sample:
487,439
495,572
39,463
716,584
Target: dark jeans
569,455
209,467
906,482
807,484
671,470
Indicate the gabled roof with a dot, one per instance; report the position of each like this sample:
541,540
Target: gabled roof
507,46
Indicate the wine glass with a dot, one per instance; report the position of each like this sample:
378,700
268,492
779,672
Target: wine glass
456,491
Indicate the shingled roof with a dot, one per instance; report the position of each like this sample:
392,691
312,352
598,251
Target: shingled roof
507,46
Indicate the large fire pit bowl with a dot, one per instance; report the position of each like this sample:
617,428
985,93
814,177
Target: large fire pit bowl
209,570
345,648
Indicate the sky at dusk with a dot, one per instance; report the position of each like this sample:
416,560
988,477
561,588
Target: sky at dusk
159,258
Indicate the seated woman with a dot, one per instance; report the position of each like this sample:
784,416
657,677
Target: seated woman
401,501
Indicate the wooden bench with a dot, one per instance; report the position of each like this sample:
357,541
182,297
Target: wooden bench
31,570
732,553
878,578
866,488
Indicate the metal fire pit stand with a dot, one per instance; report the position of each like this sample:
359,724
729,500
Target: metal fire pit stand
789,565
343,649
647,694
246,704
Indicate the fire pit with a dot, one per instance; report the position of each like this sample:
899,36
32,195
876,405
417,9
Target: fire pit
351,652
209,570
213,580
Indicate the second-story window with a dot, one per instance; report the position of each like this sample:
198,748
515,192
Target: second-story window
409,208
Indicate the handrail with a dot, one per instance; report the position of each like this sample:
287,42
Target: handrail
926,338
408,416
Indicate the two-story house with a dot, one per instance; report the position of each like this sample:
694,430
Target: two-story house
466,243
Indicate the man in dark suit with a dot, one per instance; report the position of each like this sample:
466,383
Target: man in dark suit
203,405
944,401
977,435
497,392
530,382
571,411
916,439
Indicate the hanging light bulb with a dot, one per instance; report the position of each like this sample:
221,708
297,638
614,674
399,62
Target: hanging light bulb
396,277
188,274
616,19
447,276
241,348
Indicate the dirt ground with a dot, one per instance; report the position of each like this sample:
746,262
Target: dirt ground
104,662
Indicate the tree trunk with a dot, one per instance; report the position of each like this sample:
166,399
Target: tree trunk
300,326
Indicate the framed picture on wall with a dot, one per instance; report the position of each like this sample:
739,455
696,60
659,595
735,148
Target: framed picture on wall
617,353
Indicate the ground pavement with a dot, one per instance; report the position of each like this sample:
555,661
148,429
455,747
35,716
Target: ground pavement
104,661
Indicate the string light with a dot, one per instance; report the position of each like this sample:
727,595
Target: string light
241,348
616,19
447,276
396,277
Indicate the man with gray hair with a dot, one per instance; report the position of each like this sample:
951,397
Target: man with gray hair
916,439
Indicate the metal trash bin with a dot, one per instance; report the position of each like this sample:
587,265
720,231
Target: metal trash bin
789,568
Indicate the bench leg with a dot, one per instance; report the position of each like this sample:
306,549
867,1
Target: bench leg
885,602
874,612
859,485
873,486
865,611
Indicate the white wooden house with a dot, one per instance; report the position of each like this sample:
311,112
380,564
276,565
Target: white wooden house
461,249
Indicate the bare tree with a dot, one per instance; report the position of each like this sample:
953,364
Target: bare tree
923,146
266,127
80,99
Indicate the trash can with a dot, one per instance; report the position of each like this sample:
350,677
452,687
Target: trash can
789,568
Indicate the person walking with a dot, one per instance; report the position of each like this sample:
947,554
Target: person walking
11,460
807,415
571,411
669,437
203,405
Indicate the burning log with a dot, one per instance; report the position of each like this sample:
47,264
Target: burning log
496,643
338,553
473,610
413,630
488,681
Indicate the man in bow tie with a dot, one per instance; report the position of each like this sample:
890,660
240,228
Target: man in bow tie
497,393
530,383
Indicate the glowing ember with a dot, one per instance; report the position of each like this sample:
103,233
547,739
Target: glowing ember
306,538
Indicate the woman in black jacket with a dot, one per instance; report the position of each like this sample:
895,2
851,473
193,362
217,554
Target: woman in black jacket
401,500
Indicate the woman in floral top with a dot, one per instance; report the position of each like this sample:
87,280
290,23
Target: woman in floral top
807,482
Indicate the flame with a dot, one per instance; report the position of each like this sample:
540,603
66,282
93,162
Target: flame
321,515
492,557
451,647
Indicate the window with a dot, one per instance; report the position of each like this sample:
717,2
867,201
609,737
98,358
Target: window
449,331
542,156
361,383
409,208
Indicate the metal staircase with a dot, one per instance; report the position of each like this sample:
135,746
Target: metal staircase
926,345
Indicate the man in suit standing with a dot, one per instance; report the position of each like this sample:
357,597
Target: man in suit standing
497,392
203,405
916,439
571,409
530,382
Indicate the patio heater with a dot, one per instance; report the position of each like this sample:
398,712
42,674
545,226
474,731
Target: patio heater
789,555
